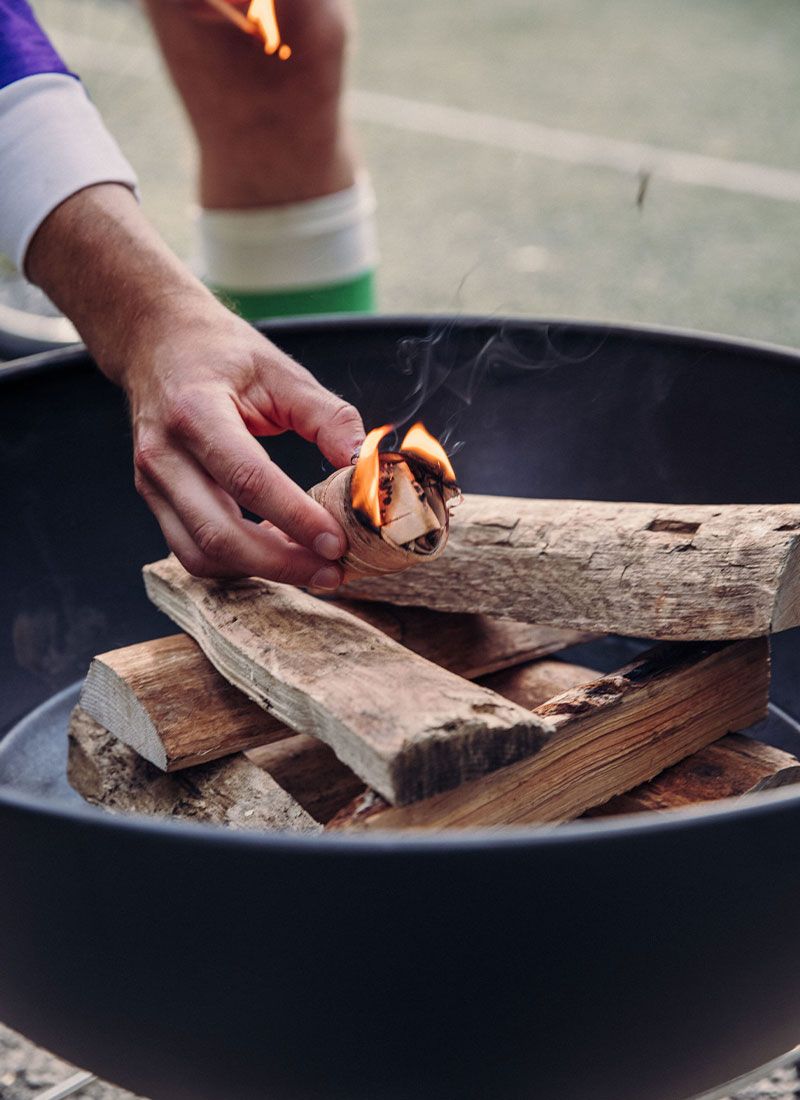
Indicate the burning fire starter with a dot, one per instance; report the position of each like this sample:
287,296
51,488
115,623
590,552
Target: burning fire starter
393,505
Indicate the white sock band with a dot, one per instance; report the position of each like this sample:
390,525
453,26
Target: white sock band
290,247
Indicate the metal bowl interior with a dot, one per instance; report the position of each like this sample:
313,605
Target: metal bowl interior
641,959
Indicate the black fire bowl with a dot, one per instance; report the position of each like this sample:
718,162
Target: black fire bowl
647,959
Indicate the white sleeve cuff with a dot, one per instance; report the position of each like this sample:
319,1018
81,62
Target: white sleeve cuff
53,143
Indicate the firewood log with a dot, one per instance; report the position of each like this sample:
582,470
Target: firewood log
733,766
323,785
651,570
610,735
311,773
231,792
471,645
165,699
407,727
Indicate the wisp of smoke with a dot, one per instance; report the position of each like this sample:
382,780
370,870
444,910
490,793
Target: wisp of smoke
436,365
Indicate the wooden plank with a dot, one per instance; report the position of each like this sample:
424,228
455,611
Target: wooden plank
733,766
650,570
165,699
232,792
610,735
407,727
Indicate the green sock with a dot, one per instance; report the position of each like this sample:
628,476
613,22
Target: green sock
352,296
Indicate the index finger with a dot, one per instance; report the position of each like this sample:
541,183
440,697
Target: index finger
219,440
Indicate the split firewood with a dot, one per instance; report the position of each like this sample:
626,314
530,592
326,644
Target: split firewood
407,727
311,773
323,785
231,792
609,736
393,506
535,682
651,570
165,699
471,645
733,766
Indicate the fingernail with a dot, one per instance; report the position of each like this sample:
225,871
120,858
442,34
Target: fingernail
328,546
327,578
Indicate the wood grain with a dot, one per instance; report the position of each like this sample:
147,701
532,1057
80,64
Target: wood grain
323,785
311,772
733,766
651,570
609,736
535,682
166,700
407,727
468,644
232,792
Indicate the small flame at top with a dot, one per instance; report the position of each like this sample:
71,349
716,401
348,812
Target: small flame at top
262,13
419,441
366,476
365,486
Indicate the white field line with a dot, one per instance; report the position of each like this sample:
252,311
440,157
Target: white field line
493,131
574,147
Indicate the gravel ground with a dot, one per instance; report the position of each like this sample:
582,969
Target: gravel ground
26,1070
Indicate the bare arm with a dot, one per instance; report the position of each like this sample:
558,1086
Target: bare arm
201,384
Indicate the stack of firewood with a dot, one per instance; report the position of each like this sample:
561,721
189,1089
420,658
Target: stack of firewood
431,698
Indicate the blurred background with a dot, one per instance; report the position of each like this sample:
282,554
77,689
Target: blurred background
606,159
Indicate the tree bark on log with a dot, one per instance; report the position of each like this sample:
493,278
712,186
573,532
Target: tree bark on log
700,572
733,766
232,792
610,735
407,727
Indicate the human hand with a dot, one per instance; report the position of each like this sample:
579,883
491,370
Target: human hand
200,391
201,384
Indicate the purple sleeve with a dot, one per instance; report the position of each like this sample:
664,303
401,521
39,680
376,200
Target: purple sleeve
25,50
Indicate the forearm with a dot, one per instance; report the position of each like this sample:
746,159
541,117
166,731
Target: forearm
269,132
98,258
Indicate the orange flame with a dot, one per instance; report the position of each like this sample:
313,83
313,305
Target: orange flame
364,487
262,13
420,442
